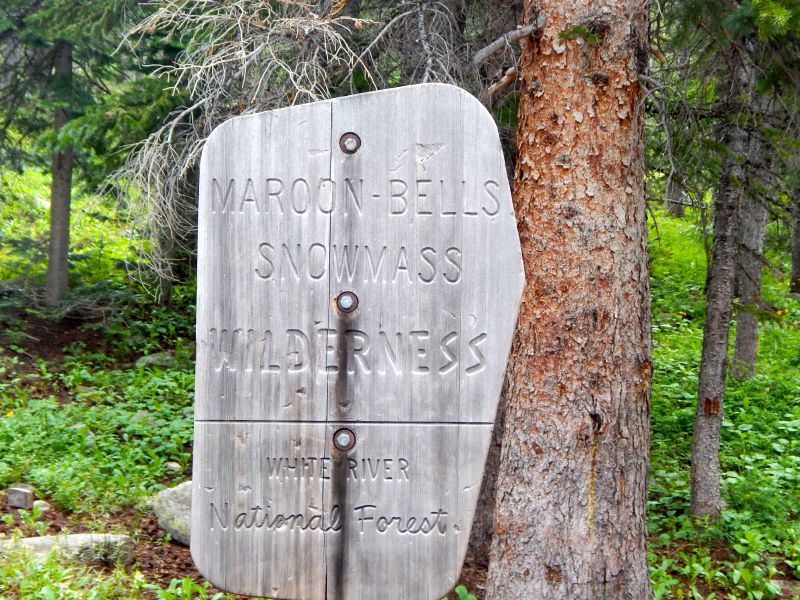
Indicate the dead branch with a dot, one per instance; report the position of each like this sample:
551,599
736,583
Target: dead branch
506,40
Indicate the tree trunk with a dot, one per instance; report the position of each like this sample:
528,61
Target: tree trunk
570,514
675,201
750,251
166,259
794,280
748,284
706,497
60,190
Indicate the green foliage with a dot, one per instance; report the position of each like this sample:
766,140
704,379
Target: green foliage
104,448
112,101
48,578
463,593
775,18
587,34
183,589
98,254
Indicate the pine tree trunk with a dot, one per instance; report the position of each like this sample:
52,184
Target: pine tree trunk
748,285
794,280
570,514
60,191
706,495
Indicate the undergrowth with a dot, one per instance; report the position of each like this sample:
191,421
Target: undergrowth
757,540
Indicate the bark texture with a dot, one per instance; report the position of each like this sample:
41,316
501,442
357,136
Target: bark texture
60,191
706,495
750,262
570,514
748,284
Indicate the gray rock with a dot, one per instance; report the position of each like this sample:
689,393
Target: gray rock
173,467
20,495
173,507
86,548
159,359
41,505
789,588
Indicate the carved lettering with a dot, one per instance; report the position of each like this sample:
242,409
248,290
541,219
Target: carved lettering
354,263
361,470
219,202
258,517
424,197
492,189
434,522
388,353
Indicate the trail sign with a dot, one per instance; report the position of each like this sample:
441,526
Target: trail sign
359,276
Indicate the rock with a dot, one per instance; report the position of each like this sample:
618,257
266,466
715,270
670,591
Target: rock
41,505
143,416
159,359
83,427
789,588
172,507
173,467
86,548
20,495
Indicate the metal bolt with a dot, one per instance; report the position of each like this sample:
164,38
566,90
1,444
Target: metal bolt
349,143
347,302
344,439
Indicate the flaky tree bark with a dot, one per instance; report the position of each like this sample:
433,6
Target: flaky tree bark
570,514
706,495
60,191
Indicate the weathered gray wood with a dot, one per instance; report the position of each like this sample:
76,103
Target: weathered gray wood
418,223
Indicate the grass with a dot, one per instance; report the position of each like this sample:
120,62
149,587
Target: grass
93,432
48,578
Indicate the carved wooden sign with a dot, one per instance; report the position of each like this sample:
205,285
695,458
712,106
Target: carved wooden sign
359,277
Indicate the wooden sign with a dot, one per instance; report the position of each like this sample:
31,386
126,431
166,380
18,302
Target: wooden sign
359,277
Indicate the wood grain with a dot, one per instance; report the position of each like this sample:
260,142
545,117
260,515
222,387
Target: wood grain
418,224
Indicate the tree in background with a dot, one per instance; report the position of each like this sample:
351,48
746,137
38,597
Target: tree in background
739,223
706,500
66,95
570,514
794,281
724,109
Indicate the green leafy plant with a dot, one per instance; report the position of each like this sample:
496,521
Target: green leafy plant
463,593
32,520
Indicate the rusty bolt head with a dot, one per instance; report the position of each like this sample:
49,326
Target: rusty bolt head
349,143
344,439
347,302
